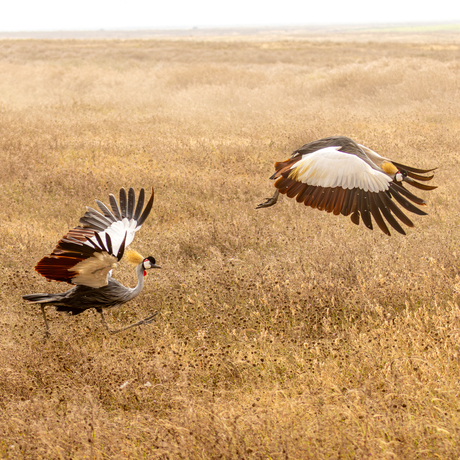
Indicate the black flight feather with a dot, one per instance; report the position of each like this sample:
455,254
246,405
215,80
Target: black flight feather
107,213
115,208
140,205
131,202
146,210
109,243
123,202
121,251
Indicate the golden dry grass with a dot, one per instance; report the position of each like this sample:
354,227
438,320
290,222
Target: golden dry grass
283,333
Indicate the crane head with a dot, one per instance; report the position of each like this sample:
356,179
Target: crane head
148,263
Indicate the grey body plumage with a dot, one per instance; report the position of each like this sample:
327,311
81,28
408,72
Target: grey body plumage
81,298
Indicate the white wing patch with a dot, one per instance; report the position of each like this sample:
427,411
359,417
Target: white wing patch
93,272
329,167
117,233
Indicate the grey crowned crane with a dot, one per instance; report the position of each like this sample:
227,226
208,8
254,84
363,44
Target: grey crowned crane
86,255
337,175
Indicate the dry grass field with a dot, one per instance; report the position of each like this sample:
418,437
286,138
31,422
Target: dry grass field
282,333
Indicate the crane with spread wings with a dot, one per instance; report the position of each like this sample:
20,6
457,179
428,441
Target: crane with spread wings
338,175
88,253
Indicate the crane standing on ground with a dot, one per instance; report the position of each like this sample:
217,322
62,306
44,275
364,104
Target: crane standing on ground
86,255
338,175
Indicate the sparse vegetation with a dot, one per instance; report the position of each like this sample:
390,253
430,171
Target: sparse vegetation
283,333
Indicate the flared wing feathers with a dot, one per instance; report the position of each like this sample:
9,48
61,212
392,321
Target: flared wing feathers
87,253
338,175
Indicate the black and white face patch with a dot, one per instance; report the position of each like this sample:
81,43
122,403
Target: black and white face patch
147,264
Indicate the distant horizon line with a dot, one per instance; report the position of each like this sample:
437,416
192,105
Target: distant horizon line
372,24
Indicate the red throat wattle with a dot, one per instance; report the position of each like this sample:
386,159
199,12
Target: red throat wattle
145,272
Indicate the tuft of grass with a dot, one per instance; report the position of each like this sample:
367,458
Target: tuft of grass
283,332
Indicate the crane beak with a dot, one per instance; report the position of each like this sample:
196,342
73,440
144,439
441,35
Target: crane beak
150,263
151,266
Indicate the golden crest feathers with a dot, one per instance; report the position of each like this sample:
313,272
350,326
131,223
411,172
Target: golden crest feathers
133,257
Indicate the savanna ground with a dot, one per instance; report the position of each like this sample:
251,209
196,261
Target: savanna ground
282,333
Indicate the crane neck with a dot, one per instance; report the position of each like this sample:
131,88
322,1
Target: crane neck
140,282
140,276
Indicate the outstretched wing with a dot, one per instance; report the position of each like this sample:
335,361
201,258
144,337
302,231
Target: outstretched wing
338,181
87,253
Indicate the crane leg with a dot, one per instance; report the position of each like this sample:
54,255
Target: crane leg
47,332
269,201
147,320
